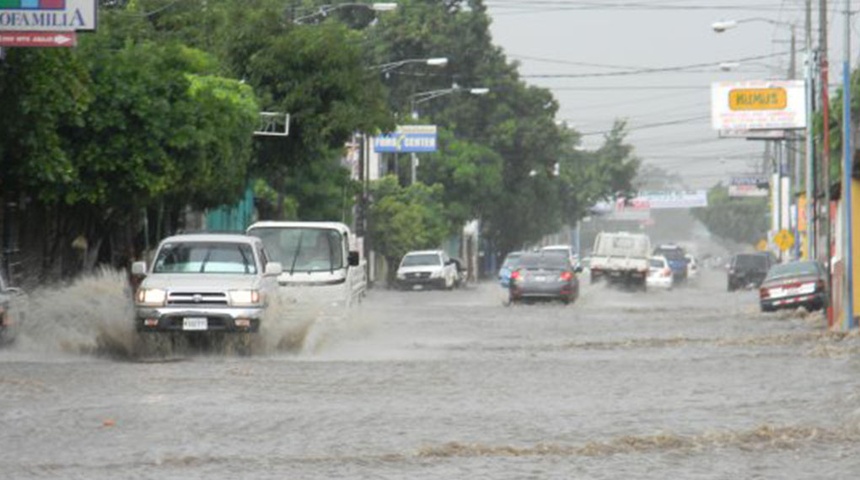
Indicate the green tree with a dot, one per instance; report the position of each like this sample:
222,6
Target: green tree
405,218
742,220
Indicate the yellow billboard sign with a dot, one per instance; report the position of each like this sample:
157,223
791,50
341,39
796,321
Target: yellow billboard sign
758,99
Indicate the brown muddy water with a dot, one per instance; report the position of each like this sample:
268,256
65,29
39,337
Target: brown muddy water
691,384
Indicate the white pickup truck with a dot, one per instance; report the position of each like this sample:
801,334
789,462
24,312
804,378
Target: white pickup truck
203,283
319,265
621,258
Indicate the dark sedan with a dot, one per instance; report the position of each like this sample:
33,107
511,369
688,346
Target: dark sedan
544,276
792,285
748,269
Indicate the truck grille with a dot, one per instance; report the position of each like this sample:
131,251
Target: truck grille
197,298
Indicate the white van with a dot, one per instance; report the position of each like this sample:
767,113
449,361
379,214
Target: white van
315,255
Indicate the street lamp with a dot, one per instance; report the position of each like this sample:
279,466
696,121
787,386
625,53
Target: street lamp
324,10
421,97
723,25
388,67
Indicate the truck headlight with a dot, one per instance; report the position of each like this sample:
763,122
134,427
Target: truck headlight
401,275
244,297
151,297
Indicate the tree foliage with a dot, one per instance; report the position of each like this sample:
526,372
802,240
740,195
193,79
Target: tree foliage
406,218
742,220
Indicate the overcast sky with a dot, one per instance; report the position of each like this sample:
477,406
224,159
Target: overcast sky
580,41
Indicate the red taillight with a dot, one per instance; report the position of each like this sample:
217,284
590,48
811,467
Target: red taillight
667,272
763,292
515,275
566,276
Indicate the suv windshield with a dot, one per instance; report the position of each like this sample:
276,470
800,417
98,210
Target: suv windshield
205,257
303,249
421,260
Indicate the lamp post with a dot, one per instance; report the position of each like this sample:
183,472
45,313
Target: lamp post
418,98
723,25
390,66
847,164
324,10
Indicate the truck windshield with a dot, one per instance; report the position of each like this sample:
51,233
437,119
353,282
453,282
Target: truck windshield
301,249
205,257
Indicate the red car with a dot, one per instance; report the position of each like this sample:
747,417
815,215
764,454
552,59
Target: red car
792,285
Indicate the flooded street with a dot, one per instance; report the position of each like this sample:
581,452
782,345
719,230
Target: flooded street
691,383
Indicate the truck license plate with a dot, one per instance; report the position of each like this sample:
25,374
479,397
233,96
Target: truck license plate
195,323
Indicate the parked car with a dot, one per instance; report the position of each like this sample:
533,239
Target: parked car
426,268
205,282
462,272
747,269
792,285
660,273
676,256
508,266
544,276
8,320
692,267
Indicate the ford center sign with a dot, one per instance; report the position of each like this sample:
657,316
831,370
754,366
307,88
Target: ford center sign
47,15
407,139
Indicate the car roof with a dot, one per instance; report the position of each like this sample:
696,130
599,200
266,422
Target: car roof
342,228
212,237
423,252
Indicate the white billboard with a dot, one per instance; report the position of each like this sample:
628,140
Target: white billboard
749,186
758,105
47,15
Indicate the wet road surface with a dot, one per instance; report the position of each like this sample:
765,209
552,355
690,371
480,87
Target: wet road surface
693,383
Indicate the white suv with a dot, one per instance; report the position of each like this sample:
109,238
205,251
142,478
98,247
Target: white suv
204,283
432,268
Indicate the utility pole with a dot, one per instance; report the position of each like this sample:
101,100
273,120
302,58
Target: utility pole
825,149
847,167
809,186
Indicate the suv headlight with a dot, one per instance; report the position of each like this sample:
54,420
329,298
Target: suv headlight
151,297
244,297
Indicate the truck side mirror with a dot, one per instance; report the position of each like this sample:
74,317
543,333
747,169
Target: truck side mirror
138,268
273,269
353,258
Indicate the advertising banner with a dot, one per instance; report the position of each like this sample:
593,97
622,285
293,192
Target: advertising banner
47,15
663,200
758,105
749,186
407,139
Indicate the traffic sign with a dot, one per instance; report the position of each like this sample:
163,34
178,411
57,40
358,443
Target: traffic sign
38,39
784,240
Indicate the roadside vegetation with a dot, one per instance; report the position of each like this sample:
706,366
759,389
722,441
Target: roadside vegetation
104,148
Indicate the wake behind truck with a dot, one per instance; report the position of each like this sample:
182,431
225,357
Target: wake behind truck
621,258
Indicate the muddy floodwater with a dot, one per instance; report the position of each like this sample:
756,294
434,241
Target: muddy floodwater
694,383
